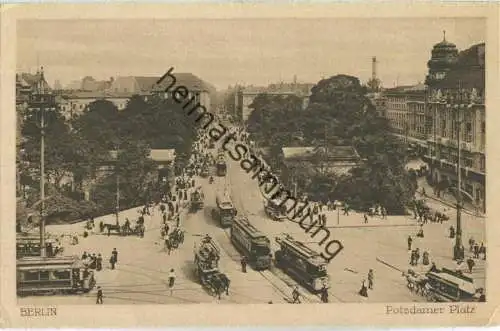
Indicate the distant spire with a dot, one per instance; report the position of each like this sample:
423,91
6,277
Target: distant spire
444,35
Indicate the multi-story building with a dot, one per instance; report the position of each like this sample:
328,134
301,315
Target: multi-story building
245,96
456,118
121,89
202,91
405,110
74,103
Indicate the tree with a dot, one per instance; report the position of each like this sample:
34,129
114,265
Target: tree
134,168
58,145
339,113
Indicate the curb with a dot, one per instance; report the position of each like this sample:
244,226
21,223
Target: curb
451,205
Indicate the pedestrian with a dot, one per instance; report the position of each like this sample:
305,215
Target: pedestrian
244,264
384,213
346,209
324,294
409,242
99,262
420,232
417,256
164,216
112,261
370,279
365,217
452,232
364,290
115,254
433,268
99,296
425,258
476,250
471,244
470,264
482,250
84,255
171,280
296,295
226,282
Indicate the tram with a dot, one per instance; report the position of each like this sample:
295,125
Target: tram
252,243
29,245
38,275
303,264
225,210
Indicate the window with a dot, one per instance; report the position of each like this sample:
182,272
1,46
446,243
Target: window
468,132
44,275
482,164
467,162
443,127
61,274
30,275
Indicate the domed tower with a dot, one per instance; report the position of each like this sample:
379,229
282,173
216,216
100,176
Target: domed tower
444,57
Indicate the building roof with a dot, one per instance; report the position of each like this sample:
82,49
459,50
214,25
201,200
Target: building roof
281,88
190,81
417,88
336,153
162,155
145,84
469,72
100,95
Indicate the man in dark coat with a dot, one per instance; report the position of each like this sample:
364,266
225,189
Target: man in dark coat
115,254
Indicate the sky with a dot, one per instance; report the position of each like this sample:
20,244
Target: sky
245,51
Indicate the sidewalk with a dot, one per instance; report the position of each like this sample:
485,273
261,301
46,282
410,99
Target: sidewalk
445,199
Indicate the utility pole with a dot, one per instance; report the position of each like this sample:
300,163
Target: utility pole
117,197
458,251
42,181
40,100
117,188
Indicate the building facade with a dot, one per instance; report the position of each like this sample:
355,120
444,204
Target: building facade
244,96
202,91
74,103
456,115
405,109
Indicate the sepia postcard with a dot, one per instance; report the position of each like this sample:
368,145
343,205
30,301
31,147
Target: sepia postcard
249,164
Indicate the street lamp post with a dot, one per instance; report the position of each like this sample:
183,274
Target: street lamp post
458,250
117,189
42,181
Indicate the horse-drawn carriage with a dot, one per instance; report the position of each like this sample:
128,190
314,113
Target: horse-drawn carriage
174,239
127,228
443,286
137,228
206,260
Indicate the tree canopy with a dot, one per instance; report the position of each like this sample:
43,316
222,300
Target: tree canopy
339,113
83,144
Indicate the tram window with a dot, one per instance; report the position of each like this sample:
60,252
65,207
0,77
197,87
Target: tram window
301,264
44,275
261,250
61,274
30,275
316,271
